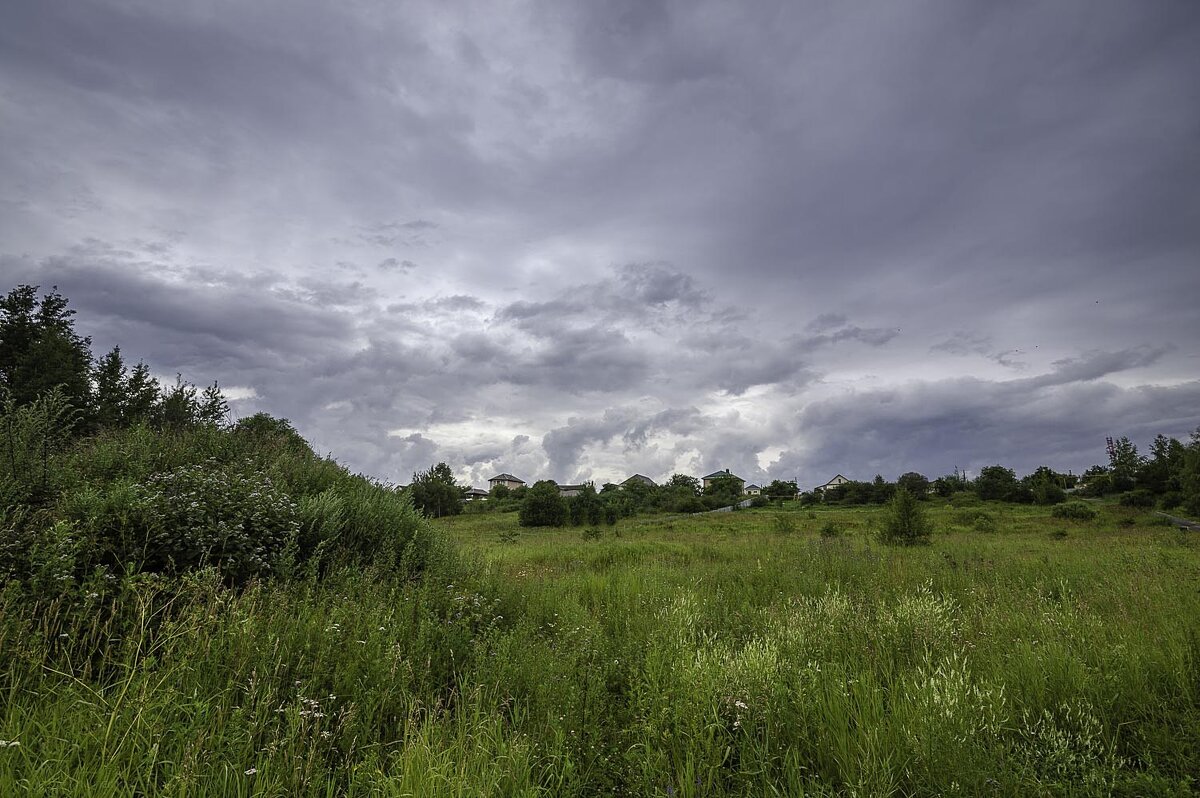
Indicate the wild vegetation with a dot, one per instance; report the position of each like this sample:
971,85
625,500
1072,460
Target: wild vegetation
190,607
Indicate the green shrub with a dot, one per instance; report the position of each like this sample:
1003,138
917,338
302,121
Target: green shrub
1140,498
1048,493
830,529
759,501
1074,511
234,520
1170,500
783,523
30,438
543,506
906,523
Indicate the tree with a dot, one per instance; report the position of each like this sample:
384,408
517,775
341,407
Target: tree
435,493
1046,485
881,490
112,389
906,523
142,393
586,507
996,482
1123,462
914,483
779,489
39,348
542,506
264,428
682,482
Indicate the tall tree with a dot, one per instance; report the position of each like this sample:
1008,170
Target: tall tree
111,389
435,493
1124,462
40,350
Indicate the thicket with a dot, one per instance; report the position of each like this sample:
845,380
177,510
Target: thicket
104,473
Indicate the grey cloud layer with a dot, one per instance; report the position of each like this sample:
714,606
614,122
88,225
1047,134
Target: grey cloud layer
578,239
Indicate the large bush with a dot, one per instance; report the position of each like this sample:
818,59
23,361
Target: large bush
542,506
1074,511
906,523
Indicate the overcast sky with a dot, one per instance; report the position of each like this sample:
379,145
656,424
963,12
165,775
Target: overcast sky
579,240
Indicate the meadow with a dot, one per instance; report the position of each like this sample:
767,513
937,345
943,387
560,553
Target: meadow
769,652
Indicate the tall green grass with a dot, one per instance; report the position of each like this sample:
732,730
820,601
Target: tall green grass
692,656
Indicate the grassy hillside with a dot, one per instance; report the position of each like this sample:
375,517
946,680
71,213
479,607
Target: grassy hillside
730,654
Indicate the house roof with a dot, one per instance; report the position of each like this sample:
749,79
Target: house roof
753,487
726,474
641,478
476,492
831,479
506,478
572,487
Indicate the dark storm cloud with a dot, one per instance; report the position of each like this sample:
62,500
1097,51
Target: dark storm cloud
933,427
565,445
189,321
676,235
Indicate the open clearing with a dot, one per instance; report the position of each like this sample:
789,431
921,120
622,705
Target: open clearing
726,654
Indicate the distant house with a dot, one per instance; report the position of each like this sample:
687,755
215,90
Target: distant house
567,491
639,478
475,495
753,490
717,476
507,480
838,480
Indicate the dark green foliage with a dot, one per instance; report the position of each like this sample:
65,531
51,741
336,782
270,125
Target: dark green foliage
1074,511
683,483
40,350
231,518
830,529
30,437
543,506
849,493
780,489
725,490
759,501
905,522
914,483
586,508
996,483
1048,493
435,493
1140,498
882,490
1124,463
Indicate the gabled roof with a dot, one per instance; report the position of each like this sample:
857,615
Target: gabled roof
753,487
723,475
506,478
831,479
477,492
645,480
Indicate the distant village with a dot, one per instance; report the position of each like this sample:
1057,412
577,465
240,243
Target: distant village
725,476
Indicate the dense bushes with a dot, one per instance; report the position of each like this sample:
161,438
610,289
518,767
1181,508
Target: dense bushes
247,501
1074,511
543,506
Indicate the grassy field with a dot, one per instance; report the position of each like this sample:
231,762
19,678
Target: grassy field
725,654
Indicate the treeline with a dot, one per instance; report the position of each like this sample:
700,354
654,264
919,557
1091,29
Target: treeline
105,473
541,504
41,351
1168,478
